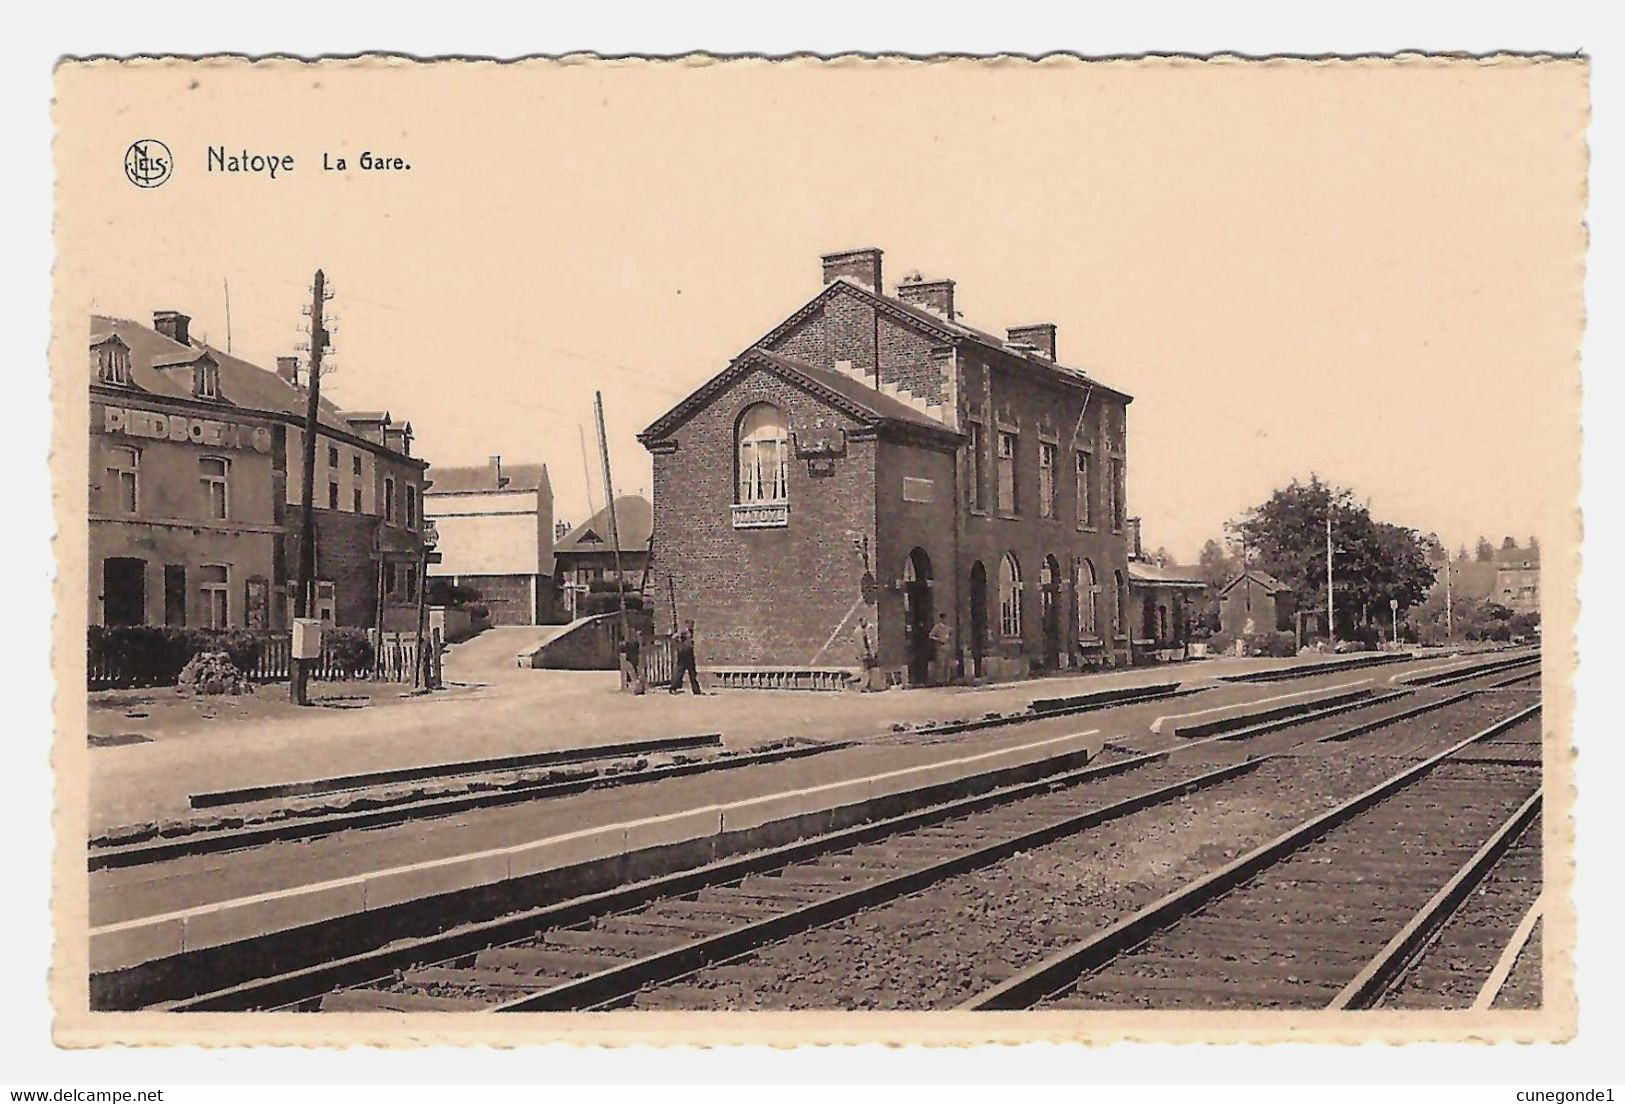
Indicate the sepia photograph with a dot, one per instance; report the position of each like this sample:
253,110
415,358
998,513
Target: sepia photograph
871,548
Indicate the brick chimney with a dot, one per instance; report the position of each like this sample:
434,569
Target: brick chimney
496,472
287,369
859,265
173,325
1134,552
934,295
1040,335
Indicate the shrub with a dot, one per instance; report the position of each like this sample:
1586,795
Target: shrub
479,611
595,602
1219,643
350,650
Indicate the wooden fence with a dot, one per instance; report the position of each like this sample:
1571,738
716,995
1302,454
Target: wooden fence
395,658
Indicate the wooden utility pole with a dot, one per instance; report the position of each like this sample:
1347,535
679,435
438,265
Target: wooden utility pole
609,494
304,595
1331,617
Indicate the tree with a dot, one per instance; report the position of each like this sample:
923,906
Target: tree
1215,566
1375,562
1485,551
1461,554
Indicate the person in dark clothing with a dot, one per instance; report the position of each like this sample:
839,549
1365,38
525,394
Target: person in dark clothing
631,673
685,662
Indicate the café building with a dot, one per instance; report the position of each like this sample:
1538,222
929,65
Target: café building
194,490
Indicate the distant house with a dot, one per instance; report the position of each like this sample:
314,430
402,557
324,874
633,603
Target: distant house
1160,597
1255,602
586,554
496,536
1517,579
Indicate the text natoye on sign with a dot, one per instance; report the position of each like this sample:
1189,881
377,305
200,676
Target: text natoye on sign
178,427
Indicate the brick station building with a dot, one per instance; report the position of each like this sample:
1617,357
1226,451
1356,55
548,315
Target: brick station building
194,490
874,456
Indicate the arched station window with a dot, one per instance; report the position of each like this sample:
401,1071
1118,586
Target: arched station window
1088,625
764,455
1009,597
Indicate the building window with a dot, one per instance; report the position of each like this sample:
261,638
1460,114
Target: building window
389,578
1010,597
764,455
411,507
111,362
410,580
355,499
206,380
215,584
389,500
355,464
1084,585
332,495
1008,502
976,471
1046,479
1115,489
212,474
332,456
123,466
1086,511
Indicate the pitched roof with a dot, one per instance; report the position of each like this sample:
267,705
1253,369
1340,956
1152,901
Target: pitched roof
634,517
478,477
1269,582
951,329
1516,557
163,367
836,388
1148,573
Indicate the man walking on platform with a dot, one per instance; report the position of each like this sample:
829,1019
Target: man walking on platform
685,662
631,673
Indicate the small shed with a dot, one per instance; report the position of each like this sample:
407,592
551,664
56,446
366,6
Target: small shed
1255,602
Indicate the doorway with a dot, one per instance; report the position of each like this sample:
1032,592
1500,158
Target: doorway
917,616
1049,584
978,616
124,591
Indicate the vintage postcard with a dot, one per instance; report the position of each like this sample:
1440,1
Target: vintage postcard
810,550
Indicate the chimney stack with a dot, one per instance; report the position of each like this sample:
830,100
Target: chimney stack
1040,335
936,296
1134,552
173,325
496,472
287,370
859,265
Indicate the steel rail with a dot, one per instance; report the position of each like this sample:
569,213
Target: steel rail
1497,980
1379,976
1059,971
376,965
622,980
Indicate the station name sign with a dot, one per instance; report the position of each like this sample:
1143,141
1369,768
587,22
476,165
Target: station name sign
179,427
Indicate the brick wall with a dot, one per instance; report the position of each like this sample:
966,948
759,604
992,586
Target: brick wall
760,596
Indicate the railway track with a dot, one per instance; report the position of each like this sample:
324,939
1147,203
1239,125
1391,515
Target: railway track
1338,913
599,952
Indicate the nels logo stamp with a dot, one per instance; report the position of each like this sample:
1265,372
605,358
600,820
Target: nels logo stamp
148,163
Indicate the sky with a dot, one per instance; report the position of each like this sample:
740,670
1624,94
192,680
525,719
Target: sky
1367,271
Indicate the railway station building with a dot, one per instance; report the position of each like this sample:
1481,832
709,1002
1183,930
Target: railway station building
873,457
195,486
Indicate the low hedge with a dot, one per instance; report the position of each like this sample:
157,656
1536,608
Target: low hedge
153,655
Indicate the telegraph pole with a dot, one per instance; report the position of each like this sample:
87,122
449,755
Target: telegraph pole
1449,603
609,493
305,593
1331,617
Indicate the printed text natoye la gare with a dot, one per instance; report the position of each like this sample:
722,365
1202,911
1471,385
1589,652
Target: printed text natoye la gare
246,162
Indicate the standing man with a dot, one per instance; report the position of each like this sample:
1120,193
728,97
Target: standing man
685,661
866,655
631,673
942,638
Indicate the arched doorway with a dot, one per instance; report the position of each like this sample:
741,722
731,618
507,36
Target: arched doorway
1049,585
978,616
1088,627
917,616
